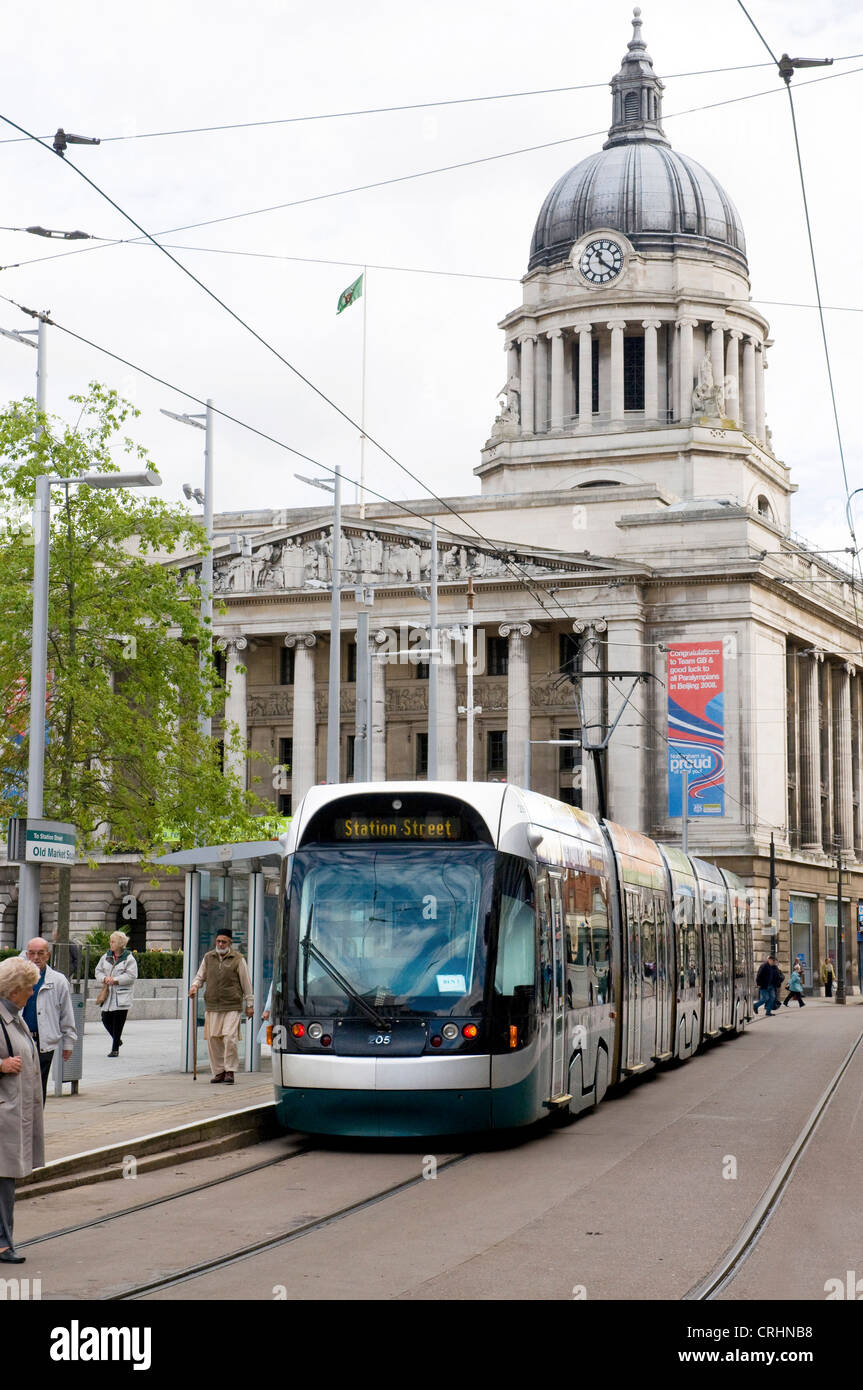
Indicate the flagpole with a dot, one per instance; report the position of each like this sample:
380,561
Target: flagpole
362,498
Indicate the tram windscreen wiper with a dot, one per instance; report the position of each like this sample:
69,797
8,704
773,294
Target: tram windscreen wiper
312,950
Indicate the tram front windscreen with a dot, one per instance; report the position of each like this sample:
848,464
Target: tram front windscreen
402,928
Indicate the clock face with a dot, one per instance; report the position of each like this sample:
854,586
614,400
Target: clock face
601,261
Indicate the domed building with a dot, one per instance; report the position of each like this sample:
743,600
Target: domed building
638,607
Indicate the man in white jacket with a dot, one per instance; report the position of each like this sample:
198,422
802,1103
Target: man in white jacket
48,1012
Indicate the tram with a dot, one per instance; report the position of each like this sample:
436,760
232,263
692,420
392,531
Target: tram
456,957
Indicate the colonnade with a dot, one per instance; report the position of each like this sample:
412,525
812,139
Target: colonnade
548,365
827,737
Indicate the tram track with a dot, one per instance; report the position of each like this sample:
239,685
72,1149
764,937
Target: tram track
107,1217
259,1247
729,1265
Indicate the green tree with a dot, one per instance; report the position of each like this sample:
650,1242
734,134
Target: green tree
125,760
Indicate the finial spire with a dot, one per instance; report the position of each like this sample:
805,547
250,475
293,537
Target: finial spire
636,95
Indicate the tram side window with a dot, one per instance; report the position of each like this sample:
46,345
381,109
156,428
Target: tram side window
516,941
586,939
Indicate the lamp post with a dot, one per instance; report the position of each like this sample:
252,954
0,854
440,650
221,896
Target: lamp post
204,422
28,890
334,695
24,335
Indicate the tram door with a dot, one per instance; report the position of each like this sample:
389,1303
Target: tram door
664,979
558,991
633,984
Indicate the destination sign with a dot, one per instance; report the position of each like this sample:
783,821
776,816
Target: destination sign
425,829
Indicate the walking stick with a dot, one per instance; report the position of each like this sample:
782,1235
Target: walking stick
194,1037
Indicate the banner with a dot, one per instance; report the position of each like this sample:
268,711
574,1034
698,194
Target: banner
696,728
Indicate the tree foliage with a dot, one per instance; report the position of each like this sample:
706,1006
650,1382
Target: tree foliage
125,760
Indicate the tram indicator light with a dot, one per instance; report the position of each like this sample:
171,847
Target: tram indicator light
298,1030
513,1035
470,1030
269,1035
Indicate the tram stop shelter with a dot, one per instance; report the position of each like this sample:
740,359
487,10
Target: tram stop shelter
234,886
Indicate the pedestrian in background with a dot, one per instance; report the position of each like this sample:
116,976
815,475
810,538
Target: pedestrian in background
764,981
48,1012
795,988
827,977
224,975
117,972
22,1145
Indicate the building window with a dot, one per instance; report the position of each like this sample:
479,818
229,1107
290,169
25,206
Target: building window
594,376
351,662
351,751
421,670
569,769
631,107
633,373
286,671
495,760
220,661
569,654
570,757
497,655
286,752
422,755
285,803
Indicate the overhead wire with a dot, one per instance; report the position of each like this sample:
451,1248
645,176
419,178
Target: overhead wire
286,362
814,263
459,537
398,179
407,106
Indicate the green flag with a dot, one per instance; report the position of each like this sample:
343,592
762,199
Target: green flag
348,296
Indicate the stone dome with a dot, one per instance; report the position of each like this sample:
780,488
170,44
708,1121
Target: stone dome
638,185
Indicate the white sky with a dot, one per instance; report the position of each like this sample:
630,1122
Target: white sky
435,354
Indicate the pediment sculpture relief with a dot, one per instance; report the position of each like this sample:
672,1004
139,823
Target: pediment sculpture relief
367,557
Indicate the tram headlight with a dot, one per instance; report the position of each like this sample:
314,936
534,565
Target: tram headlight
315,1031
450,1031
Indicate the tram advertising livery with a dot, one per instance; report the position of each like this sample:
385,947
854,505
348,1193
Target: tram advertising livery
461,957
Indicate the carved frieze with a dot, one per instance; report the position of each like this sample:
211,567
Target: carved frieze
367,557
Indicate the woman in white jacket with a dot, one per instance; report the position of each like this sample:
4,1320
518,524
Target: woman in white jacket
117,969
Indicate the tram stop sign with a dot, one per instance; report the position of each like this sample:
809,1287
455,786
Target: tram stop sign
50,842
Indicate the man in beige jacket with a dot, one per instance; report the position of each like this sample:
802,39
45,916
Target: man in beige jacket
224,975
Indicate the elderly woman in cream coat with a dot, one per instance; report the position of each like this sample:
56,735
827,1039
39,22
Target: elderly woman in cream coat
118,970
21,1133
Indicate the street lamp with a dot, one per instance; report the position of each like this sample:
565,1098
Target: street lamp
205,499
28,890
333,710
23,335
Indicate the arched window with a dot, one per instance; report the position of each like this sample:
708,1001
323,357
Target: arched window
631,107
764,508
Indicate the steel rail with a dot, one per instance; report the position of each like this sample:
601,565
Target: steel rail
162,1201
727,1268
273,1242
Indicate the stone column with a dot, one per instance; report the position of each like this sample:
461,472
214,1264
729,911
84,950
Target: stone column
732,376
236,721
593,705
528,384
447,713
843,765
760,365
616,408
512,364
810,754
717,357
540,384
627,758
674,330
749,386
651,380
585,375
556,421
517,700
379,711
569,359
304,727
687,379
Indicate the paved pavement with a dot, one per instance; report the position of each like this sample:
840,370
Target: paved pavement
140,1092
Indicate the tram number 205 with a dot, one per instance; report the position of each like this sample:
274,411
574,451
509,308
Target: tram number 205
379,1039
